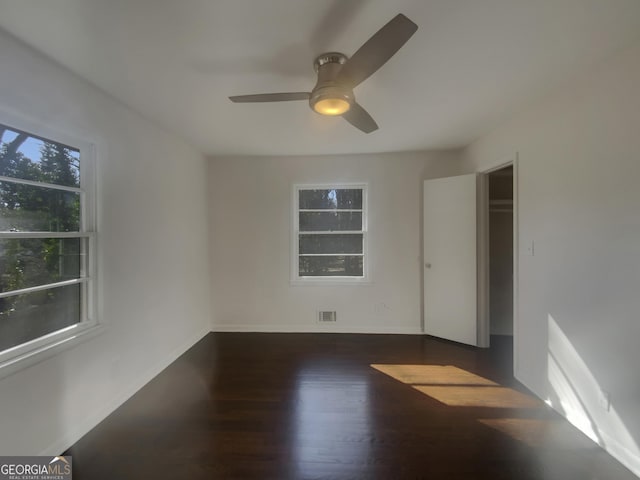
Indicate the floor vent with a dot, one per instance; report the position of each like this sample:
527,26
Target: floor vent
326,316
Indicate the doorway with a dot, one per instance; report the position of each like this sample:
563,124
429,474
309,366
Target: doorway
497,259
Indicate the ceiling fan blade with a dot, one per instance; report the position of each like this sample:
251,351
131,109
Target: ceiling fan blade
270,97
377,50
360,118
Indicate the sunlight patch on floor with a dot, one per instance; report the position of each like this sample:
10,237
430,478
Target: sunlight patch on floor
432,375
487,397
457,387
530,431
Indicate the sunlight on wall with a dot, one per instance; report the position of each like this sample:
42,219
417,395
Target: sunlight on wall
579,396
569,402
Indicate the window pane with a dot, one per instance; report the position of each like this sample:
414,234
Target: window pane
26,317
336,198
33,158
29,262
27,208
339,243
331,266
329,221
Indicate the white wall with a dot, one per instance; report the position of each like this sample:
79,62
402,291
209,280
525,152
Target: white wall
153,255
250,210
578,323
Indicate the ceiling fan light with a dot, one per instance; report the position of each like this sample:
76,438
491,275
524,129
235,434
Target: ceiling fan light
330,99
331,106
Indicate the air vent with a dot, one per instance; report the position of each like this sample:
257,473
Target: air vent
326,316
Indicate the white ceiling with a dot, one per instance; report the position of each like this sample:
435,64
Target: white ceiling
470,65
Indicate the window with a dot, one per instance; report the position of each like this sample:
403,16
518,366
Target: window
330,230
46,242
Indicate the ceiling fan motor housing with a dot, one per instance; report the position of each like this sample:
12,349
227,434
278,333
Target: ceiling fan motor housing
338,76
328,97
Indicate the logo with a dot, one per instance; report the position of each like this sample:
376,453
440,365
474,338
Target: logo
35,468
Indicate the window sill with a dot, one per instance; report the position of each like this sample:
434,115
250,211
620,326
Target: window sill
40,353
312,282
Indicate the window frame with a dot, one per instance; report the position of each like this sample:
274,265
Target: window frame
295,278
33,351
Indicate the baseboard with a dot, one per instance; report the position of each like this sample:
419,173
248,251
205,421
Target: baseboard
69,438
317,328
621,453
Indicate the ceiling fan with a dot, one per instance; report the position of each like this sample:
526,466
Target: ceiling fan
338,75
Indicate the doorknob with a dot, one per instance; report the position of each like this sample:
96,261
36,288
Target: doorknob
427,265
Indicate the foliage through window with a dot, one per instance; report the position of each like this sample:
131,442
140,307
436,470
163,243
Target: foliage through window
45,238
330,230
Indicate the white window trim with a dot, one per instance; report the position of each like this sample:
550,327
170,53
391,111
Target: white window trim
297,280
29,353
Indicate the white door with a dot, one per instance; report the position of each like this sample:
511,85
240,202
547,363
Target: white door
450,267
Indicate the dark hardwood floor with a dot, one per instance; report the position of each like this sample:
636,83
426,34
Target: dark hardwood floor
312,406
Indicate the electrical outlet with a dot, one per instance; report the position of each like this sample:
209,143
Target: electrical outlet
531,249
381,307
